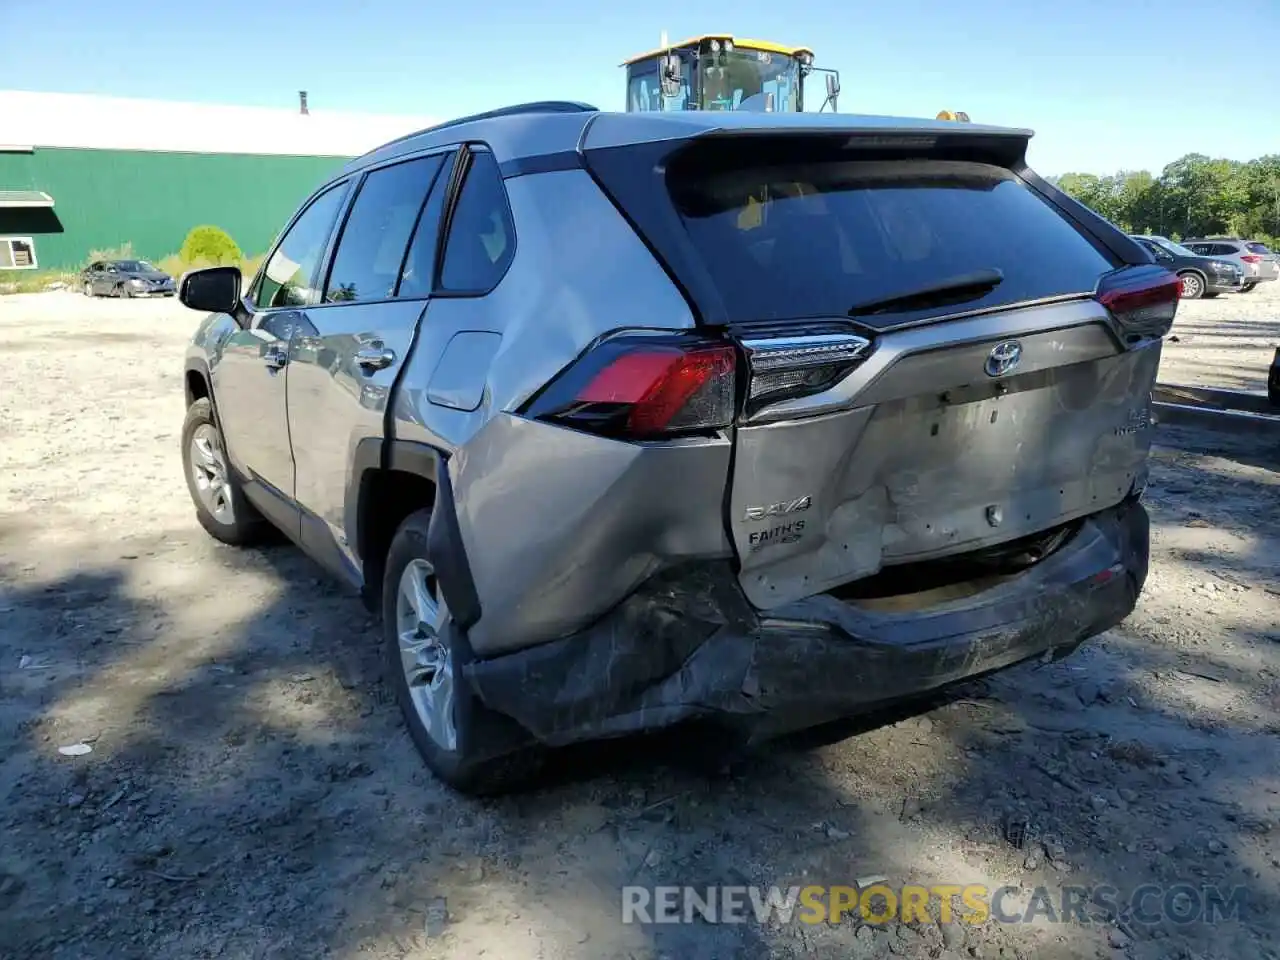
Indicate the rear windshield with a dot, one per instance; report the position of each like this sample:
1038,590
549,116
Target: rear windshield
802,240
1260,248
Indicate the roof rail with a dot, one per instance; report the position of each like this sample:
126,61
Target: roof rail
538,106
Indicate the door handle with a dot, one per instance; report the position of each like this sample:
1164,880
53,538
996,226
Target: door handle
375,358
275,358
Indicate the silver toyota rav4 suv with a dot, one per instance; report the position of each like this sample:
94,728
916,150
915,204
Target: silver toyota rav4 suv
625,420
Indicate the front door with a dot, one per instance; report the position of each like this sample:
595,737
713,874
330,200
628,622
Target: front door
346,355
250,376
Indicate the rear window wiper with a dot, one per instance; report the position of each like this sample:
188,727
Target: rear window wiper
957,289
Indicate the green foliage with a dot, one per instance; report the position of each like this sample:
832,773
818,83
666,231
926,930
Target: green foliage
1194,196
210,245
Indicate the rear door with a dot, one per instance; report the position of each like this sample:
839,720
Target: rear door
884,431
351,345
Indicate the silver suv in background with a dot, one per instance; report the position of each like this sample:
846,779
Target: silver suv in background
625,420
1255,260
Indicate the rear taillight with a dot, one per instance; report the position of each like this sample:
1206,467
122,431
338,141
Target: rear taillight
1143,300
1251,258
785,367
638,387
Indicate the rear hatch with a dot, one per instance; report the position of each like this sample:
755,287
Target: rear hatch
937,359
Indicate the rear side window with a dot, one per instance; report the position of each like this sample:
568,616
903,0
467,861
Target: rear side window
373,241
482,238
1258,248
1223,250
287,279
1200,248
816,239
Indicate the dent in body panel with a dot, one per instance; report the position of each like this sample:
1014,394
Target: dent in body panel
933,461
335,404
687,645
560,526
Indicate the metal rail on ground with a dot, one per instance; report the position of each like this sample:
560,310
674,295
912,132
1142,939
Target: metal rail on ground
1230,411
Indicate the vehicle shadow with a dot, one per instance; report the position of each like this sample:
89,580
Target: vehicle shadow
251,792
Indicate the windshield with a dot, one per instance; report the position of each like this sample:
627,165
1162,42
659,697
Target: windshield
1259,248
1177,249
133,266
744,79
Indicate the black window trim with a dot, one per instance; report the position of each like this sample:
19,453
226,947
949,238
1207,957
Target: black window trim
461,169
331,250
452,161
248,297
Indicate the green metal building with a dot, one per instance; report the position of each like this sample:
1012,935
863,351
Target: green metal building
81,173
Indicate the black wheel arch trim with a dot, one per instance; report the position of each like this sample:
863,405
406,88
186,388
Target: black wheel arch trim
199,366
445,548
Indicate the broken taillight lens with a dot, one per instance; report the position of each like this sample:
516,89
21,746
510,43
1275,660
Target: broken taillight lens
1143,300
645,387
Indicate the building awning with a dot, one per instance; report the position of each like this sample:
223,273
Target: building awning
9,199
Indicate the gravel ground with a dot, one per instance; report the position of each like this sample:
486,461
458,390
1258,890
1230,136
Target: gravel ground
250,791
1225,342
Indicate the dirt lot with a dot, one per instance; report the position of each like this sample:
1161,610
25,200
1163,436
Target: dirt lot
250,791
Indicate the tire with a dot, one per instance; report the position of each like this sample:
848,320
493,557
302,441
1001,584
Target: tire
124,291
1247,287
1192,286
468,747
88,290
211,482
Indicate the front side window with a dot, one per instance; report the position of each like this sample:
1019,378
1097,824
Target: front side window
372,245
287,279
482,237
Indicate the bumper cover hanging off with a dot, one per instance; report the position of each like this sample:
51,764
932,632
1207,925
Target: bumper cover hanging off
688,646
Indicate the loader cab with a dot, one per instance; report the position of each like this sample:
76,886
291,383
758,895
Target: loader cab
724,73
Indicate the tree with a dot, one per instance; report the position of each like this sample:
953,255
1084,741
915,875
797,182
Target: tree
1193,196
209,244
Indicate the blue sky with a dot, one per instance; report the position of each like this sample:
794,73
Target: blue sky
1106,84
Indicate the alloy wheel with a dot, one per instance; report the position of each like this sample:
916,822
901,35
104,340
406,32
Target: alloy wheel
210,474
425,658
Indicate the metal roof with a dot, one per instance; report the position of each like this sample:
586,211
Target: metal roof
9,199
73,120
767,45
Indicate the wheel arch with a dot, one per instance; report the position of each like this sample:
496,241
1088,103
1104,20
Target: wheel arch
1204,280
389,480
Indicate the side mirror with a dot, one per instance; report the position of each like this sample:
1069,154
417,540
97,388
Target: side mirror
833,86
671,72
211,289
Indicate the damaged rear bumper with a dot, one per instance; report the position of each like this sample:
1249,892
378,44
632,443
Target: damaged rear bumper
688,646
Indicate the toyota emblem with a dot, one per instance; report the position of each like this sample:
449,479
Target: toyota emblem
1003,358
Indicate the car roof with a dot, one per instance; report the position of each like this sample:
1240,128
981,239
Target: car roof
527,131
